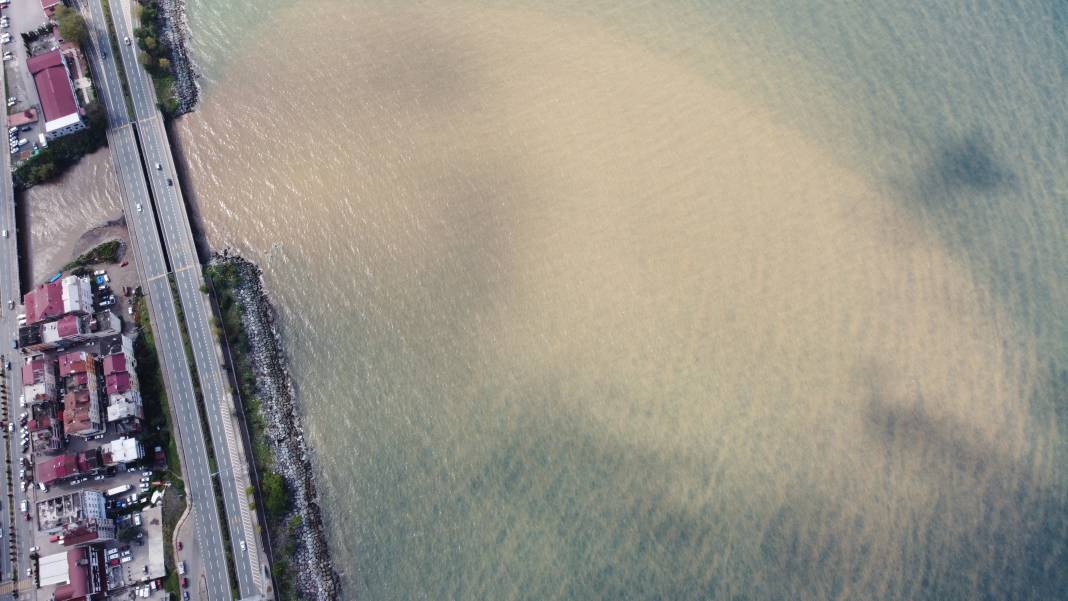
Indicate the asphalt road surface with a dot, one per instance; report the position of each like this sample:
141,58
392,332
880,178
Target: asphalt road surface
153,268
178,238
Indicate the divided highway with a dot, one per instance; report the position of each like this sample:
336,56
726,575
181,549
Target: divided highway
169,207
152,266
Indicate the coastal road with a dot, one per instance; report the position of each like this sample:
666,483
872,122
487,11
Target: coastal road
219,403
10,289
154,271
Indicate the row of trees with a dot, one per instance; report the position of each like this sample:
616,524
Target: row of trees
154,51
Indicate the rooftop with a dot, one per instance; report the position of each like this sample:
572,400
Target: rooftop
44,302
53,89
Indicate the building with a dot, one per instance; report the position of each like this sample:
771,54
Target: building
68,330
56,94
122,450
43,303
56,469
67,466
77,295
39,380
46,435
81,403
77,574
81,507
126,411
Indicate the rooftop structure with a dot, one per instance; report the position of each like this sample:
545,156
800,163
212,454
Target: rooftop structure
126,411
56,93
39,380
74,508
122,450
43,303
76,362
57,468
77,574
77,295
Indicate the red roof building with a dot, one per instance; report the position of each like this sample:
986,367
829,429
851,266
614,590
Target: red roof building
59,468
118,383
56,93
43,303
79,362
114,364
68,326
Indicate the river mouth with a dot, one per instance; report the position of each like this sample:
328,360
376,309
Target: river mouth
557,303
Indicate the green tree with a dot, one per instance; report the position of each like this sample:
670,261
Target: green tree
128,535
145,59
275,496
71,25
164,64
95,115
150,43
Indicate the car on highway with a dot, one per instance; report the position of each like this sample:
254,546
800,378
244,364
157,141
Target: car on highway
139,207
5,233
180,545
170,182
10,303
159,167
126,40
243,547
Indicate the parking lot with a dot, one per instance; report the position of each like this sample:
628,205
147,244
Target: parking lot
21,17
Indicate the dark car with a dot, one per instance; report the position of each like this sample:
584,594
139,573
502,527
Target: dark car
185,582
170,182
179,545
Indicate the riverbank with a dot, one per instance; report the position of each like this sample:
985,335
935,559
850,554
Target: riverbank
301,556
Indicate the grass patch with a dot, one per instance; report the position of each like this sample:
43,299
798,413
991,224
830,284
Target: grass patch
108,252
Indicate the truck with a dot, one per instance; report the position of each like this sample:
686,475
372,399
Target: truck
118,490
181,568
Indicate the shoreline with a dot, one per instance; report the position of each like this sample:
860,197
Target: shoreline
315,576
176,34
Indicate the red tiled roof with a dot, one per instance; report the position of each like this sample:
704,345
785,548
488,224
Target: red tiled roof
48,3
67,326
76,362
39,424
34,371
53,469
76,412
44,302
53,86
78,587
118,383
114,364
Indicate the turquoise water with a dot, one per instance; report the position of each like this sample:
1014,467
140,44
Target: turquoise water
738,300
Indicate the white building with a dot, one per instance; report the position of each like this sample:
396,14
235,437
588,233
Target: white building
77,295
122,450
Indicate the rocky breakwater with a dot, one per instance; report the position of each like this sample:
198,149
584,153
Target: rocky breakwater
174,29
312,567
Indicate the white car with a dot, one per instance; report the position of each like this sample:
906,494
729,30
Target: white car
139,209
126,40
5,233
22,400
243,547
